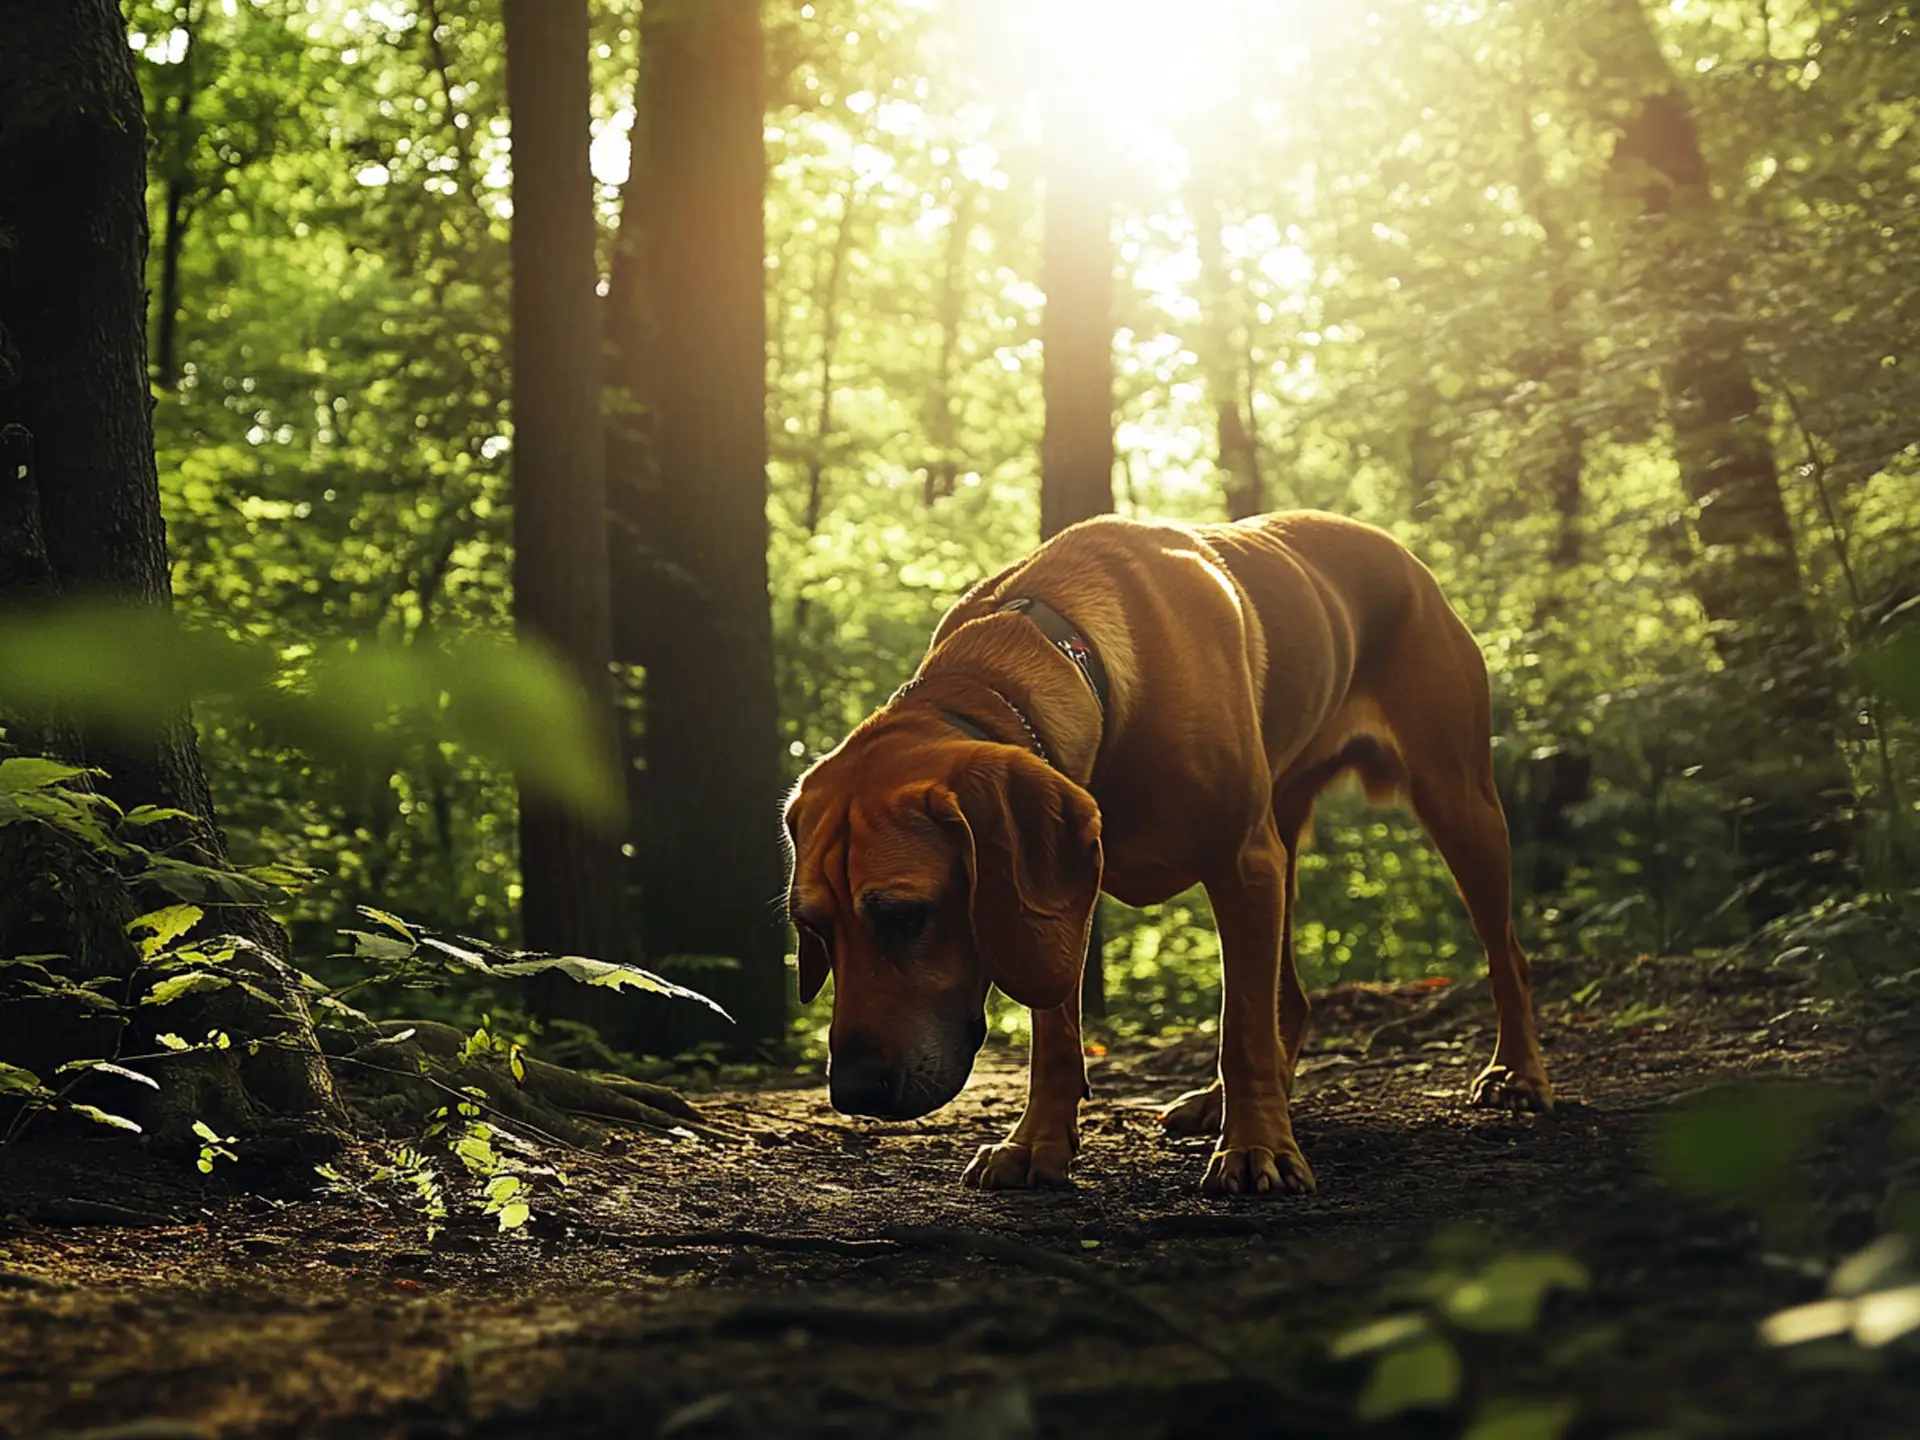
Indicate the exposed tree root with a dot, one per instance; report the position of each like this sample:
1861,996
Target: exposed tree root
398,1070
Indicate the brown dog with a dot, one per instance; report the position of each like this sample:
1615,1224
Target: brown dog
1140,708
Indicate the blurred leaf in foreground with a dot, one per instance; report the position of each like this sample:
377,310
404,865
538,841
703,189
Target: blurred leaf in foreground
1736,1142
1892,669
126,670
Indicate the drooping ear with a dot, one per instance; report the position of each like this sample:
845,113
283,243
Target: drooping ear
816,963
1031,842
816,960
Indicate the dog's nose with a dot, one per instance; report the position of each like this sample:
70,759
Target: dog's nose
859,1085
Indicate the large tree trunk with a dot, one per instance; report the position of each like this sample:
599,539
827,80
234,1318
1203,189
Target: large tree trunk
1076,336
80,515
1792,820
712,855
570,870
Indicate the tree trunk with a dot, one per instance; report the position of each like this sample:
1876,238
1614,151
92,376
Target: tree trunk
1793,823
827,297
1076,447
180,145
943,427
80,516
641,584
1559,781
570,870
1243,487
712,853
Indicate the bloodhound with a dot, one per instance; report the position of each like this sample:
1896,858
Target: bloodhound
1140,708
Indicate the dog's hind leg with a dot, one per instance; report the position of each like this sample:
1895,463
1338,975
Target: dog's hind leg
1439,712
1466,824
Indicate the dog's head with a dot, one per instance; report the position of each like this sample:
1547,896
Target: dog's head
926,867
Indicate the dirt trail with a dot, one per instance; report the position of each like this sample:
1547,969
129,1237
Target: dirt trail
832,1277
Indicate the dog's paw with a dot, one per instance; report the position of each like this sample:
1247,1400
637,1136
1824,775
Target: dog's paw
1502,1087
1258,1172
1014,1166
1198,1112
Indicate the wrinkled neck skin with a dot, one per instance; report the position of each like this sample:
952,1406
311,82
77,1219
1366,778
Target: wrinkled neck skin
1008,653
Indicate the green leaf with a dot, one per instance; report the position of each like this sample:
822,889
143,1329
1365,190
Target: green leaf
154,815
514,1215
382,917
17,1081
1415,1377
606,973
101,1117
503,1188
517,1064
127,669
382,948
1507,1294
471,959
1382,1334
281,877
172,1042
1522,1420
1737,1141
167,925
192,982
35,772
107,1067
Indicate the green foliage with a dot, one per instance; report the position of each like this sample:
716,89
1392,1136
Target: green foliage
1417,1358
178,953
1873,1301
1738,1142
1432,278
412,955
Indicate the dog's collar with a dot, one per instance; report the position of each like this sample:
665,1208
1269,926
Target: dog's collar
1065,637
974,730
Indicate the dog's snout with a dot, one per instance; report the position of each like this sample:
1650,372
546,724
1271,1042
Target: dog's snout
860,1084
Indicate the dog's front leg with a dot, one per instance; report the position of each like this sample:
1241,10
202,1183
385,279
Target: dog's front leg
1257,1154
1041,1146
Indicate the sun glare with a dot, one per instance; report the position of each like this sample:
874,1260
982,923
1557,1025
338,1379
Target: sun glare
1146,72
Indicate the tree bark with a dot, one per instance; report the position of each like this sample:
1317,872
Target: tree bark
711,853
570,870
1242,487
1076,446
80,516
1793,821
180,145
827,297
1559,781
943,425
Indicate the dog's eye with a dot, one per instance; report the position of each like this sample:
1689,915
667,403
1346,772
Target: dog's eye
898,923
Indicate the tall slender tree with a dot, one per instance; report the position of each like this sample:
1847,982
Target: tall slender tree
1793,820
570,871
1237,452
1076,336
694,517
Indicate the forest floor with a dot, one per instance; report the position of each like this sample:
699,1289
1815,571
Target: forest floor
832,1277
